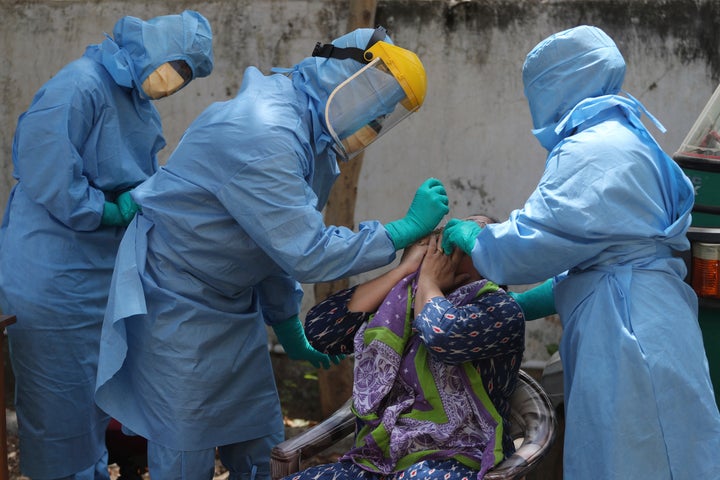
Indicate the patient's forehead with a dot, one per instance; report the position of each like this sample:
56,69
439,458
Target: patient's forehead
482,220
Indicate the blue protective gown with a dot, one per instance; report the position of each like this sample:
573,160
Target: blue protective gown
85,138
612,208
228,228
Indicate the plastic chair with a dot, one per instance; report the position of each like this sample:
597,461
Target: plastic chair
532,424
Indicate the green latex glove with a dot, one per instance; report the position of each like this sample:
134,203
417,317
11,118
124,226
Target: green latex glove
111,216
292,337
428,207
461,234
538,302
128,207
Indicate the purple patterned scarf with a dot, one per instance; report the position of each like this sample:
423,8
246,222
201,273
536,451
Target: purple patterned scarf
414,407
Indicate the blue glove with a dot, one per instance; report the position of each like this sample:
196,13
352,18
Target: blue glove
128,207
460,233
428,207
292,337
537,302
111,216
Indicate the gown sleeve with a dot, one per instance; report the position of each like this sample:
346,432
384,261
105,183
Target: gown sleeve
601,192
280,297
490,326
330,327
47,145
272,201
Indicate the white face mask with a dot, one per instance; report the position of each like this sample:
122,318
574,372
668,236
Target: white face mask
167,79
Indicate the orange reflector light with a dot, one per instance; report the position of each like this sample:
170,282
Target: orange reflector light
706,269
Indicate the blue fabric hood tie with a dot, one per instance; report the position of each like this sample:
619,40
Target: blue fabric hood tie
642,108
591,107
117,61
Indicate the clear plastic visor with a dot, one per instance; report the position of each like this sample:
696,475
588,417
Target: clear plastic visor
703,140
364,107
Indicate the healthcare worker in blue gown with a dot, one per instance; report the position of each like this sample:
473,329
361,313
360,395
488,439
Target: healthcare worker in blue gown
90,135
612,209
228,227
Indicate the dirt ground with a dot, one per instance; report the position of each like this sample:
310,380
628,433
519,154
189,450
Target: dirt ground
298,390
293,427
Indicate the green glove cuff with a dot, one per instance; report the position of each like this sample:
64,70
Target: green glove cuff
471,231
460,233
400,234
538,302
289,331
291,336
427,208
111,216
128,207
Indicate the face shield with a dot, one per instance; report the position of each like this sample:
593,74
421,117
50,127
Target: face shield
167,79
386,90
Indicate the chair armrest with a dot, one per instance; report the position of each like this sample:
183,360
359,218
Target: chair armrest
534,417
6,320
285,457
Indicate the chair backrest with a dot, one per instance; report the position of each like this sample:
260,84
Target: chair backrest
532,419
533,425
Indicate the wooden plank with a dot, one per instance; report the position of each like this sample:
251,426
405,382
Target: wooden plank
5,320
335,384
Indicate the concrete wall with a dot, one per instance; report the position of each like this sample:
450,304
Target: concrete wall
474,129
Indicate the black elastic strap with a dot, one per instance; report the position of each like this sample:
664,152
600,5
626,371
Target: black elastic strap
329,50
378,36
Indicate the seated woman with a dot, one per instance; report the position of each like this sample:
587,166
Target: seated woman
437,352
